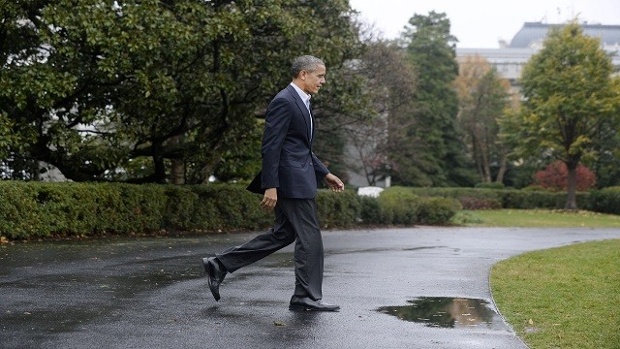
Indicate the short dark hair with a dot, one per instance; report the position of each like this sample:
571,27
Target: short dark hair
307,63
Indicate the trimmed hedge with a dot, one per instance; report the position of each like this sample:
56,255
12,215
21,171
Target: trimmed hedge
470,198
486,198
530,199
41,209
33,209
399,205
341,210
606,200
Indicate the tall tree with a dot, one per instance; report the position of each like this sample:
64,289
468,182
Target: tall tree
375,143
570,95
483,96
104,86
435,137
342,100
606,165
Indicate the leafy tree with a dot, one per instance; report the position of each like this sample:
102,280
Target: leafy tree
483,96
17,40
376,142
555,177
570,97
137,89
606,165
441,160
343,100
519,169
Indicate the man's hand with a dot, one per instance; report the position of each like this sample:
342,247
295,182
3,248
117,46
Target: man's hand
334,183
270,198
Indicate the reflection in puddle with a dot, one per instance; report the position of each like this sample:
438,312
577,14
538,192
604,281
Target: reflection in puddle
444,312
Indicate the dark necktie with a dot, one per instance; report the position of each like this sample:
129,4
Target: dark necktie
309,112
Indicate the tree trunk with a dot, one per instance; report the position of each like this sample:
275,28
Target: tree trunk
486,153
486,166
160,169
476,156
502,169
177,171
571,198
177,166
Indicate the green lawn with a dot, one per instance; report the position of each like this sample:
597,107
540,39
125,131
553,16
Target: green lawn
564,297
561,298
537,218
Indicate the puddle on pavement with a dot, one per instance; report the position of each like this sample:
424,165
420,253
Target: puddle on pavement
446,312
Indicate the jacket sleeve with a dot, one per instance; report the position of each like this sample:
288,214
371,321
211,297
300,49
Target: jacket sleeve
277,121
319,169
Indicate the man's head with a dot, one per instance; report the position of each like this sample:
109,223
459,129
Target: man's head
308,73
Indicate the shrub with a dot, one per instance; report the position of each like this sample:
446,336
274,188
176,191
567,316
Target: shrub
606,200
476,203
482,198
35,209
179,210
39,209
338,209
238,208
437,210
370,210
491,185
532,199
555,177
19,211
143,207
533,187
482,194
228,207
398,206
67,209
206,214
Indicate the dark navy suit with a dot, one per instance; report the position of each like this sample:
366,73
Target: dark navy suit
288,161
290,166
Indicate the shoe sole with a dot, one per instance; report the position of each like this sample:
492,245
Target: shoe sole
209,272
297,307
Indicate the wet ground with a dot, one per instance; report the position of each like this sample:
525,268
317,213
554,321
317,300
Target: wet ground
398,288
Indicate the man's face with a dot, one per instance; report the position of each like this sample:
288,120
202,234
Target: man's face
313,81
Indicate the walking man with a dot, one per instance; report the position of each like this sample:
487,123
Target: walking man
288,181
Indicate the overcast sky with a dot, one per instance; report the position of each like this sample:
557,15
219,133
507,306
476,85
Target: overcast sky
482,23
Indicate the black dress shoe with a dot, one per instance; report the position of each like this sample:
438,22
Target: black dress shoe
215,274
308,304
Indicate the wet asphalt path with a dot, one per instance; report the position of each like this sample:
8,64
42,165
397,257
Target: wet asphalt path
151,293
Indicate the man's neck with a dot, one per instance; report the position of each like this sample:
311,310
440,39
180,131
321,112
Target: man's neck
299,84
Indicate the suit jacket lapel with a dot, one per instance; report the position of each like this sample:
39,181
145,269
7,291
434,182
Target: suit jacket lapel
304,111
313,126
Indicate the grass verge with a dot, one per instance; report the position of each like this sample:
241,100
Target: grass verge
564,297
536,218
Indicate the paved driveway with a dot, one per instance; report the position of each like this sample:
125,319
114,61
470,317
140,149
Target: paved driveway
422,287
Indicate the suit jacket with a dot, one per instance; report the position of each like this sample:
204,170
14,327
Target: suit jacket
288,161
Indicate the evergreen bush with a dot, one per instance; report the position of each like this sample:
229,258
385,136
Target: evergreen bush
606,200
39,209
338,209
399,205
437,210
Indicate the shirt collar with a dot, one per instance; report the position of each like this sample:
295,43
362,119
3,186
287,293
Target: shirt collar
304,96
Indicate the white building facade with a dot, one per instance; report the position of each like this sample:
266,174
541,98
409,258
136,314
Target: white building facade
510,58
